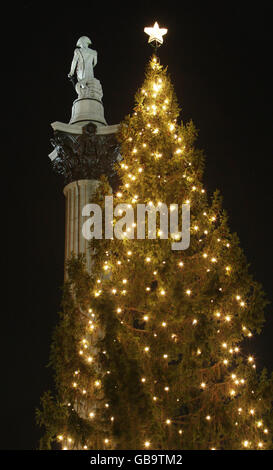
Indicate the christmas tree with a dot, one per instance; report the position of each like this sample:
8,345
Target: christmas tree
150,349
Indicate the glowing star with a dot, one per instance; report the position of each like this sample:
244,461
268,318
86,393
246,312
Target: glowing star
155,34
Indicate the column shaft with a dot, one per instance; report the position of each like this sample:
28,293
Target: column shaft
77,195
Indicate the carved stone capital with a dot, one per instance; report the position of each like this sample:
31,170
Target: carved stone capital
86,156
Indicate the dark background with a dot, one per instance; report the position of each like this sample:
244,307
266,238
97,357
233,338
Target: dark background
219,59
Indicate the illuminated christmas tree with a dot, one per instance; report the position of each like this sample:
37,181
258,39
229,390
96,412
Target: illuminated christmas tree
150,349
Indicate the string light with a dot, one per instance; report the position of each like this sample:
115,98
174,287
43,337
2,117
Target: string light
155,108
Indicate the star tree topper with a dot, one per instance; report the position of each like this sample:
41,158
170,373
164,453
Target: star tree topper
156,34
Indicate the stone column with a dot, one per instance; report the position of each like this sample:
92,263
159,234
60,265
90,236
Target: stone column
77,195
82,154
88,107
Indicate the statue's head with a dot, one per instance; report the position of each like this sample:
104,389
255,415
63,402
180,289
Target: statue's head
84,41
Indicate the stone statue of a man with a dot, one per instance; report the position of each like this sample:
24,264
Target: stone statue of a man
84,61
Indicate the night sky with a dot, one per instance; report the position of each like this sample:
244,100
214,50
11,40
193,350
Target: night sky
219,61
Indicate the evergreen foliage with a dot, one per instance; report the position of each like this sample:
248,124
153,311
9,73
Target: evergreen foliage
149,351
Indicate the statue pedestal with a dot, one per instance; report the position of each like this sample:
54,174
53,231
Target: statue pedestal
88,107
86,110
